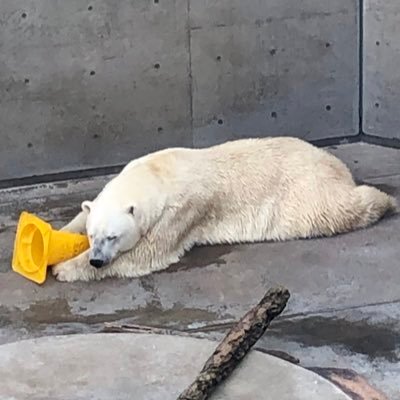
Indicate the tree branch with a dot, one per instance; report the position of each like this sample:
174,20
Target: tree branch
236,344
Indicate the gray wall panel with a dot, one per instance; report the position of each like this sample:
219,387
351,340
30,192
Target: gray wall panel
279,67
95,83
87,84
381,68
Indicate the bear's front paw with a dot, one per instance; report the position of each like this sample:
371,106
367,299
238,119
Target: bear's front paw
67,271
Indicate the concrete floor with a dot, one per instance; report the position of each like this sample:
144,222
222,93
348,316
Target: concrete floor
345,306
153,367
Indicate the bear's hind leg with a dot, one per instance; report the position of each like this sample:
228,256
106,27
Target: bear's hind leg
373,205
349,208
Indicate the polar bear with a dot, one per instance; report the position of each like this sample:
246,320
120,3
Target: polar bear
246,190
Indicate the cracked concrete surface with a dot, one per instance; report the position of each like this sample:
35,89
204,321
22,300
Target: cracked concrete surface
345,306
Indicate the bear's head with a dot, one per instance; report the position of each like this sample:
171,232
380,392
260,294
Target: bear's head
111,231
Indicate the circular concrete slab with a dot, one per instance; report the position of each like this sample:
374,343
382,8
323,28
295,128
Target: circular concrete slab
143,367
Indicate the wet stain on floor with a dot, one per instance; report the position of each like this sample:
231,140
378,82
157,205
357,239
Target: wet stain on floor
374,341
44,314
202,257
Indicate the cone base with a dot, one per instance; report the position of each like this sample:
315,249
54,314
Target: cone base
37,246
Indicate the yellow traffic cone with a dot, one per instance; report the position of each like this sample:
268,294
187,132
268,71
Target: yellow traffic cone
37,245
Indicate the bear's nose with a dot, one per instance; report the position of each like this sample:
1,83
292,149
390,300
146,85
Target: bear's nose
95,262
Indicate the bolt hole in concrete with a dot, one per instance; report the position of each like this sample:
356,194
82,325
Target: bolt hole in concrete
156,1
157,65
378,43
274,114
24,15
220,122
26,80
159,129
29,145
90,8
92,73
96,136
272,52
219,58
328,108
376,105
327,44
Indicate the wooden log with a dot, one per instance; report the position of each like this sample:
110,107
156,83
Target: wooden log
351,383
236,344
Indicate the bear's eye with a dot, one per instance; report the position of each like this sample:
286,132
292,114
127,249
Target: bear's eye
111,238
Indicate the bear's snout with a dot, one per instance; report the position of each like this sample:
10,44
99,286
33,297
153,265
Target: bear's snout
96,262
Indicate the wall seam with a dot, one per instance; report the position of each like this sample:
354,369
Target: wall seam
361,68
189,41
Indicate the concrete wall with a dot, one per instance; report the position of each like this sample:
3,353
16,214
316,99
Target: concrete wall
87,84
277,67
381,67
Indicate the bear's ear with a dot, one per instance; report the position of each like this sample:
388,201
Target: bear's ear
86,206
131,210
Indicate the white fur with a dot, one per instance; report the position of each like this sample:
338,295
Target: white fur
241,191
